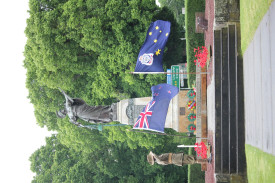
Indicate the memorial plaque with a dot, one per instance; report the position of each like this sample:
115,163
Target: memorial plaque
182,111
133,111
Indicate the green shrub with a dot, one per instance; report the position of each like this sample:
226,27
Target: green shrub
193,40
195,175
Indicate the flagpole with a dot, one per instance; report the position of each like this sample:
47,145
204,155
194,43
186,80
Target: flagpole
149,132
169,73
188,146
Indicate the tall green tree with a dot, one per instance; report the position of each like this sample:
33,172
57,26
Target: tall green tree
87,48
176,7
55,162
112,162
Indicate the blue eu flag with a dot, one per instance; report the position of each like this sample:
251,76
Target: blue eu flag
151,53
153,116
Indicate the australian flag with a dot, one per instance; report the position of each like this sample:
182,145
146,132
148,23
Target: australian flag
151,53
153,116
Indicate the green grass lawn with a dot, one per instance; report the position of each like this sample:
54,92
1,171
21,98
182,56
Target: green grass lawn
260,165
252,12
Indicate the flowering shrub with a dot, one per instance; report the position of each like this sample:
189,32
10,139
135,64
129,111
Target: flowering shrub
201,150
191,128
191,104
201,56
191,94
191,117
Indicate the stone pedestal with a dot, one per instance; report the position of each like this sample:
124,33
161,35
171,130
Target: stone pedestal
201,22
128,111
184,111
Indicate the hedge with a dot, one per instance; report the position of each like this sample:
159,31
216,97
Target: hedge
193,40
195,175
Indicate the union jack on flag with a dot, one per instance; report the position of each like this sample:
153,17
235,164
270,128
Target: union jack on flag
154,114
142,121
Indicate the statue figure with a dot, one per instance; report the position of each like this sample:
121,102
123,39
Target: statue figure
178,159
77,108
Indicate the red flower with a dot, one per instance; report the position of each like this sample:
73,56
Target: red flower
192,128
201,56
201,150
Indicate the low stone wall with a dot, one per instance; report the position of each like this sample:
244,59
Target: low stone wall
226,11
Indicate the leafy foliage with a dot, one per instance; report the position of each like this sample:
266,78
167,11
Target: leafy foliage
55,162
176,7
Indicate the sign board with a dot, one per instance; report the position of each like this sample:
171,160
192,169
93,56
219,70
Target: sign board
169,78
175,69
183,11
183,69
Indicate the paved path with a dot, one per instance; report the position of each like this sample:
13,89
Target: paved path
259,85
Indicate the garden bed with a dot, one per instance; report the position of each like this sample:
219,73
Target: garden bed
193,39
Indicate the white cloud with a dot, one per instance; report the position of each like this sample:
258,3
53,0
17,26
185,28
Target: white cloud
19,134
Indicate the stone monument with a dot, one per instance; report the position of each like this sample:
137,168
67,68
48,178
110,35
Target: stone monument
128,111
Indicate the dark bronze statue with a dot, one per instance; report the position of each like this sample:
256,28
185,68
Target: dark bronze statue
77,108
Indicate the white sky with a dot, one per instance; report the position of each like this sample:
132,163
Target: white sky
20,136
